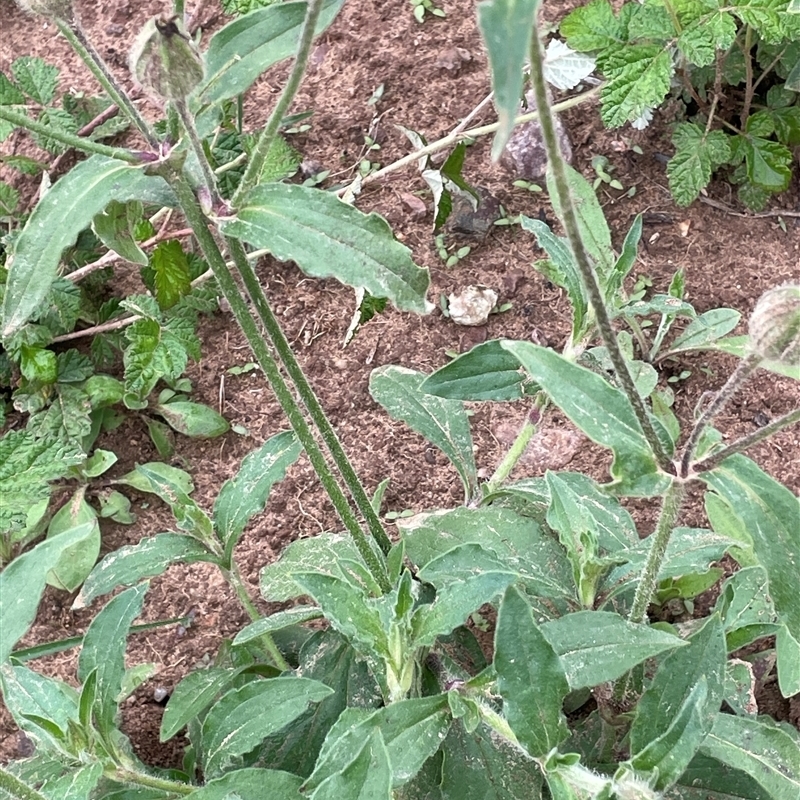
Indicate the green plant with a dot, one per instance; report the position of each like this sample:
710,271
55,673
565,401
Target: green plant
394,696
423,8
735,69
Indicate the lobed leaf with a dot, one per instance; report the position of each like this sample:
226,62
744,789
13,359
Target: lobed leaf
698,154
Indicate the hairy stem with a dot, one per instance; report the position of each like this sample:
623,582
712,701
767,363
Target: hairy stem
736,380
75,35
211,251
182,107
307,394
267,136
14,788
20,120
590,282
136,778
740,445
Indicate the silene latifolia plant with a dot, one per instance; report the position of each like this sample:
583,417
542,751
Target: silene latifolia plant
581,694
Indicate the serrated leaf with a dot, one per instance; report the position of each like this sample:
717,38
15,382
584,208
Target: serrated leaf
563,67
698,154
115,226
244,717
638,78
444,423
9,199
592,27
193,419
153,352
36,78
171,278
10,95
65,210
130,564
244,48
330,239
506,27
769,164
246,494
599,646
530,677
58,120
650,21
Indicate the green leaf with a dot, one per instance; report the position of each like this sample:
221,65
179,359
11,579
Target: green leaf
169,272
22,583
592,27
760,748
442,422
66,209
788,663
10,95
768,512
244,717
103,650
149,476
708,779
613,281
149,557
769,164
679,707
244,48
698,154
367,777
519,542
412,730
77,561
746,608
248,783
601,411
638,78
465,578
115,227
246,494
706,329
9,199
486,372
193,419
36,78
530,677
599,646
506,27
330,239
37,364
326,657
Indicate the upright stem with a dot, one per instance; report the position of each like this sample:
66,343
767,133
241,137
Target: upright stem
196,145
261,150
197,221
737,378
570,221
74,34
307,394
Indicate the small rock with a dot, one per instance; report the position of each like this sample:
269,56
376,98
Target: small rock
524,156
472,305
452,58
471,217
414,204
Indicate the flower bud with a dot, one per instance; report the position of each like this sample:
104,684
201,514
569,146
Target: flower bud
165,60
775,324
52,9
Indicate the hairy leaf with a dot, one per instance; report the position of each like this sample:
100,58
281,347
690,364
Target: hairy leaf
592,27
698,153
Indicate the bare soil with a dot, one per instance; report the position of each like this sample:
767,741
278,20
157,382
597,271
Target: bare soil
433,76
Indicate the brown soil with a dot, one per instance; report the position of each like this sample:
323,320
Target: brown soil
433,75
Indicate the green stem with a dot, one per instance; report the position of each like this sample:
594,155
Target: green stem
129,776
20,120
521,441
74,34
737,378
234,578
197,221
590,282
12,786
197,147
307,394
740,445
262,148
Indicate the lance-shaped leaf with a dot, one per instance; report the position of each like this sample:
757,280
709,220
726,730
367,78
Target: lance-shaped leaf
327,238
240,51
442,422
507,27
251,783
193,419
245,495
709,779
76,562
599,409
149,557
769,513
768,753
55,223
530,677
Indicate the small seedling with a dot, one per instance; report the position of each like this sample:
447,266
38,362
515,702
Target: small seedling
528,186
422,8
681,376
450,256
603,169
